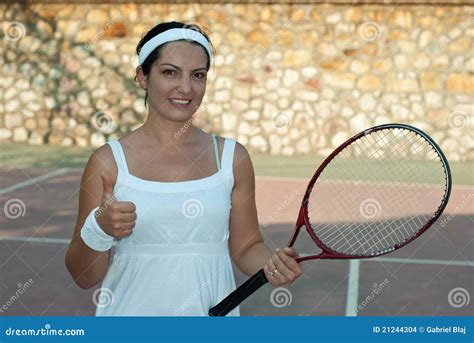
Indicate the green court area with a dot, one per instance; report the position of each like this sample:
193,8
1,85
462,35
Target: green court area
298,166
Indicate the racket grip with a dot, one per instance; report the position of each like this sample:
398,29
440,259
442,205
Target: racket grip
239,295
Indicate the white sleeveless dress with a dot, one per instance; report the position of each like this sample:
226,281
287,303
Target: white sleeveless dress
176,262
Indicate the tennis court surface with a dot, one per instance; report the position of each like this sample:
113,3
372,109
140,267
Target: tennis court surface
431,276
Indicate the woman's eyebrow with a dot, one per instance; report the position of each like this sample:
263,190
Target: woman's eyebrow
172,65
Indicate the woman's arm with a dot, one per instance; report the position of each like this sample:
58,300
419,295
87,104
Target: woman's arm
87,266
247,248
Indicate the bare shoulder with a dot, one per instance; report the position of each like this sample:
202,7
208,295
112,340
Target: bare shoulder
104,158
242,165
241,155
102,161
242,162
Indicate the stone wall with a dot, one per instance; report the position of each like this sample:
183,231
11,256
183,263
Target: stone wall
287,78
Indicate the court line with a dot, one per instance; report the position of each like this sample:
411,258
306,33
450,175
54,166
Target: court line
32,181
352,289
412,261
421,261
353,280
36,240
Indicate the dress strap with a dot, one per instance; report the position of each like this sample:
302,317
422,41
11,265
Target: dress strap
119,155
216,152
228,154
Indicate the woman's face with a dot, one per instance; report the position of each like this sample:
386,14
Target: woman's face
177,81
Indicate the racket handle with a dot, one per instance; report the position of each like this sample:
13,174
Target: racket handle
239,295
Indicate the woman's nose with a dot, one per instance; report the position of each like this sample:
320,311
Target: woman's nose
184,85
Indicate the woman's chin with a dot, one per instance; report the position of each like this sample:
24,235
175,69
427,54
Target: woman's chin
179,116
173,114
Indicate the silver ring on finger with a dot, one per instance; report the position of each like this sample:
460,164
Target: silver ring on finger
273,272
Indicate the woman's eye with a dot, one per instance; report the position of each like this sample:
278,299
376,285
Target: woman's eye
169,72
200,75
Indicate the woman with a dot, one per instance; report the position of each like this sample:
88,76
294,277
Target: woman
179,207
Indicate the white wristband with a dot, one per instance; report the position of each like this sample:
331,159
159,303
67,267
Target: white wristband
93,235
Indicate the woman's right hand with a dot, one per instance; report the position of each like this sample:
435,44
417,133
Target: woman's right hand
116,218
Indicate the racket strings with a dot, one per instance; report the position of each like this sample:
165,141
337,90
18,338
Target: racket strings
405,234
411,144
397,149
424,147
403,231
345,152
392,159
382,243
362,233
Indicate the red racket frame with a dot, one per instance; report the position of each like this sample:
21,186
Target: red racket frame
303,218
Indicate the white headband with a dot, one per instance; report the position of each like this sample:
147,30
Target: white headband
170,36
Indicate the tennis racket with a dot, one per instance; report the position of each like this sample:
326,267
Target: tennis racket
374,194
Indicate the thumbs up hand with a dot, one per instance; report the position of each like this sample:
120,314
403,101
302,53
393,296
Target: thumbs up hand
116,218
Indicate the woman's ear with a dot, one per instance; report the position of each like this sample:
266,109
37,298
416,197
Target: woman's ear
141,77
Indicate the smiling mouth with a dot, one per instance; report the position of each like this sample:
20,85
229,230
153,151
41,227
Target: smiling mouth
180,101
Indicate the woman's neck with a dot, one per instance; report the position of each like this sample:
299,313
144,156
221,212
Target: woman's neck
161,132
